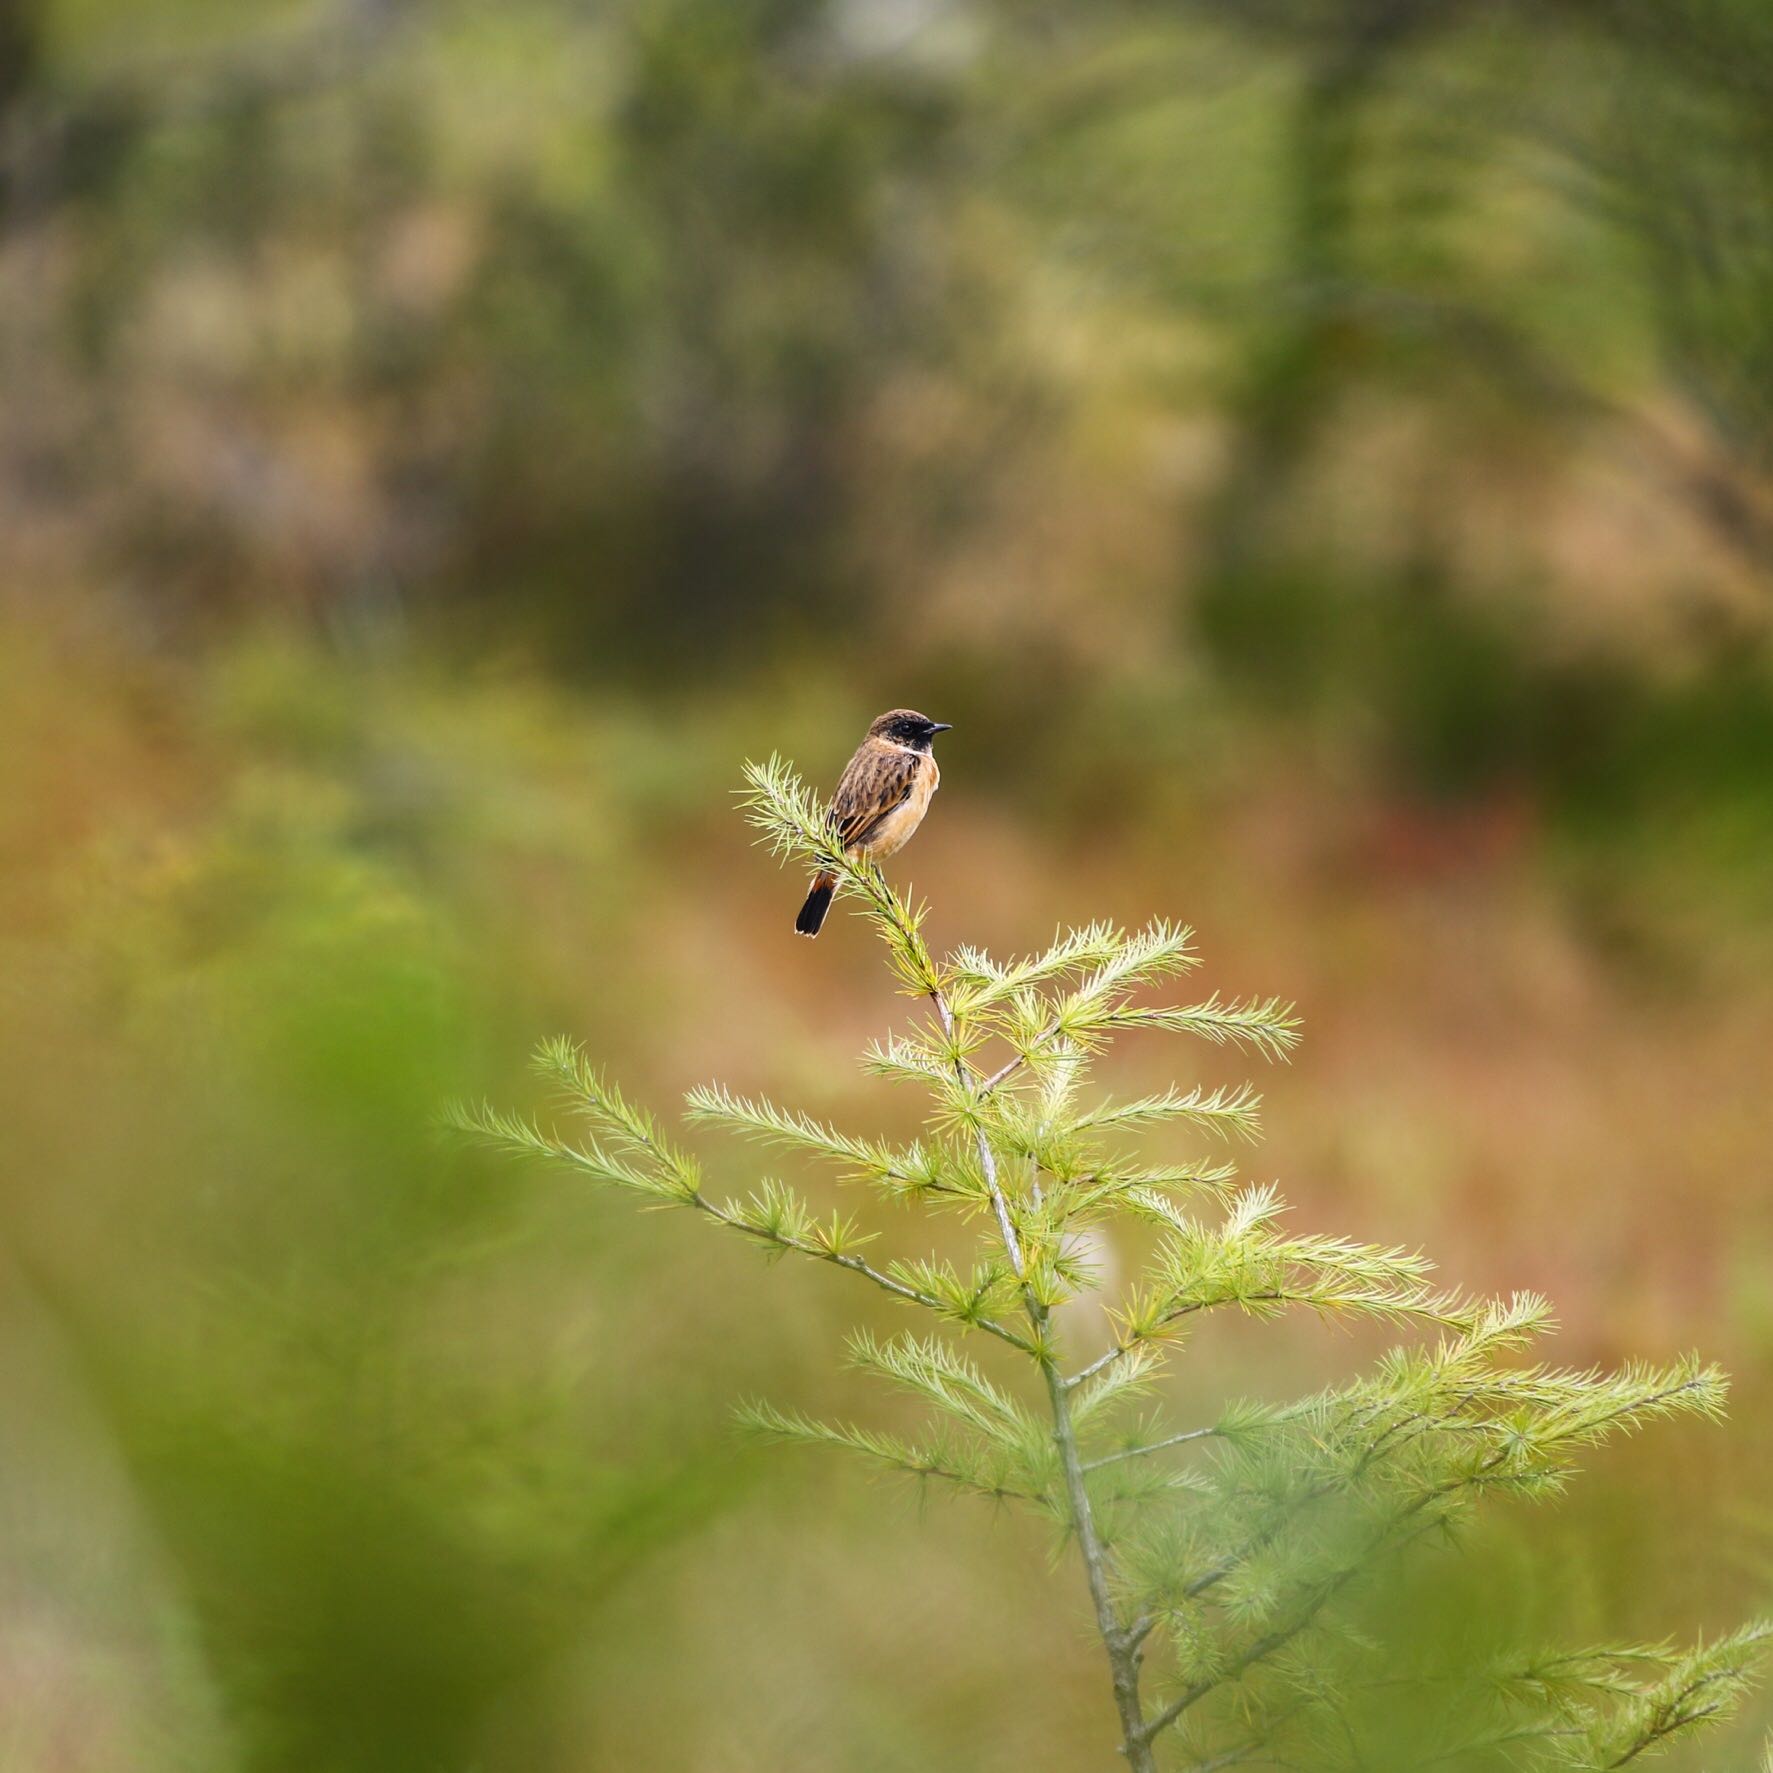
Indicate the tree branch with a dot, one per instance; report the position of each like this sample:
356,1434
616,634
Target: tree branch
856,1265
1266,1646
1174,1440
1121,1349
594,1098
1010,1067
1262,1648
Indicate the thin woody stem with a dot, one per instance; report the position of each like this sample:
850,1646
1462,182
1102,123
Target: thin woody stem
1122,1647
1124,1655
987,1160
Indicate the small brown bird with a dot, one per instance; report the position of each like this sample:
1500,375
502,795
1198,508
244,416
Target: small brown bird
880,801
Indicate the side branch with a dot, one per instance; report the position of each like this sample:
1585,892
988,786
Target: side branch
1174,1440
1259,1651
1422,1305
855,1265
988,1085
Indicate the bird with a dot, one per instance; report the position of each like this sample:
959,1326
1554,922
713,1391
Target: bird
881,799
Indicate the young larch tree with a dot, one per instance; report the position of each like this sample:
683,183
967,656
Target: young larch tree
1229,1544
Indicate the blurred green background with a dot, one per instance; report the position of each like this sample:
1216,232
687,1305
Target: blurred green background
1319,453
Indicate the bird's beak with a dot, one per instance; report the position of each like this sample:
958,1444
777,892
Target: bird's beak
941,726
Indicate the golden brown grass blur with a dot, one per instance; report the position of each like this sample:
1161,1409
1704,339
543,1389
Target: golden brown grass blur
1317,456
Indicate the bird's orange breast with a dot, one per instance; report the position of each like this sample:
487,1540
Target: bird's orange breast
894,831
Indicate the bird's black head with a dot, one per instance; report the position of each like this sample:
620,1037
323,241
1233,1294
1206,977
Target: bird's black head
905,726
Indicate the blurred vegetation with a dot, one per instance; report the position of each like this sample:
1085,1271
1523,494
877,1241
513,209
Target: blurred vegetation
1316,451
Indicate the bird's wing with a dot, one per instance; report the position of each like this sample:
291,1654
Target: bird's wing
878,781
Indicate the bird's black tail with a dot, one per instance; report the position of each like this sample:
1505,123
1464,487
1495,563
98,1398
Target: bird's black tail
818,902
